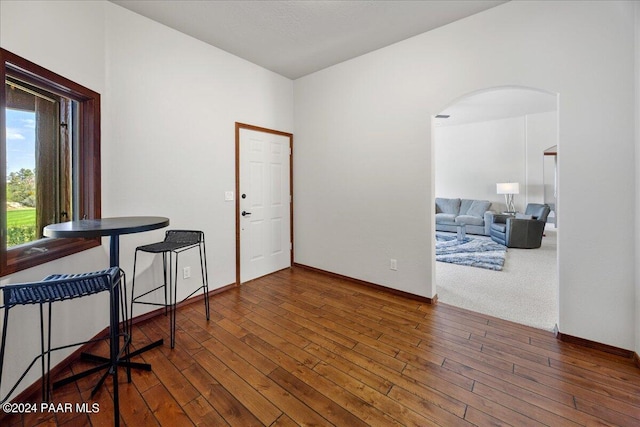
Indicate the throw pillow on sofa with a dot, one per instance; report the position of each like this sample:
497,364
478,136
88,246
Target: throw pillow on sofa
478,208
447,210
447,206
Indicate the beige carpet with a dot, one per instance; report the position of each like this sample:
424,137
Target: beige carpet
525,291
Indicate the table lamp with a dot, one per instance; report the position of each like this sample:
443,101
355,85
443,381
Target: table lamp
508,189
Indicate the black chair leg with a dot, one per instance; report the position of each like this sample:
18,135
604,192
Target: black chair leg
133,294
172,302
164,278
126,323
42,352
48,381
115,337
4,341
205,276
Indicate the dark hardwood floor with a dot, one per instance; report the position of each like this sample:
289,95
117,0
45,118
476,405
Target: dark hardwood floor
302,348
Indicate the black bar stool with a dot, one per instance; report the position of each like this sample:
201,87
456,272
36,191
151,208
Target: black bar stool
175,242
60,287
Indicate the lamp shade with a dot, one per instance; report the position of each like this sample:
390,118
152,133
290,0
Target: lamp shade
508,188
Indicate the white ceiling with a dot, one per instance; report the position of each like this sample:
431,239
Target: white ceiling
296,38
500,103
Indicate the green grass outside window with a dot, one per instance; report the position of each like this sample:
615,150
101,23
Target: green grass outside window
21,226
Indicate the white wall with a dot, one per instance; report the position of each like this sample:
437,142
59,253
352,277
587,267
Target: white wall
363,138
471,158
637,188
169,107
364,194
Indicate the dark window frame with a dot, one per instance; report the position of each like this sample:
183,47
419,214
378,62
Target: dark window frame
88,165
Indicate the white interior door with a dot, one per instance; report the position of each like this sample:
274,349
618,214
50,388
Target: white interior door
265,221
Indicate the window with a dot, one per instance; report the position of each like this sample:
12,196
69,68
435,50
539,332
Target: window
50,168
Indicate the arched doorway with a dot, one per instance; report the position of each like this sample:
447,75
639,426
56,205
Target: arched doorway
492,136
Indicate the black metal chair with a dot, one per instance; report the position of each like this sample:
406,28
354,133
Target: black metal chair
175,242
60,287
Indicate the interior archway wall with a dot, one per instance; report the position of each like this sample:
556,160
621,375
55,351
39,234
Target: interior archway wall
491,135
366,149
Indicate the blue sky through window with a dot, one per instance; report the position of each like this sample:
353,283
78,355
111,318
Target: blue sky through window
21,135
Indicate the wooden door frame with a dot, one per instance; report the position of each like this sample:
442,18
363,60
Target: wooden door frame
240,126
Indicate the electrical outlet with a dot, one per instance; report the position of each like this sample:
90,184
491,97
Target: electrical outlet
393,264
186,272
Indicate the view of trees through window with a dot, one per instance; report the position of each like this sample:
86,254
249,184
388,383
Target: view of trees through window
39,148
49,162
21,177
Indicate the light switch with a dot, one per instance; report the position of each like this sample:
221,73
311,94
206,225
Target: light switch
228,196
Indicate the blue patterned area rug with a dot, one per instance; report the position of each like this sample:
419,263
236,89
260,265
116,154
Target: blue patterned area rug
471,251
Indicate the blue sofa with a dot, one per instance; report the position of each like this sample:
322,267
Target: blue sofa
475,214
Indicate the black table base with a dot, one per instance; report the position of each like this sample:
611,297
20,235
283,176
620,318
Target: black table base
105,363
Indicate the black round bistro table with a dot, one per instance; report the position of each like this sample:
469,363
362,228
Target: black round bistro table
112,227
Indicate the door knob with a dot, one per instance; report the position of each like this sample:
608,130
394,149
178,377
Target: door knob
245,213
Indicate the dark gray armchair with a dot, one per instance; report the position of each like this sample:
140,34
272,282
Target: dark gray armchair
522,231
